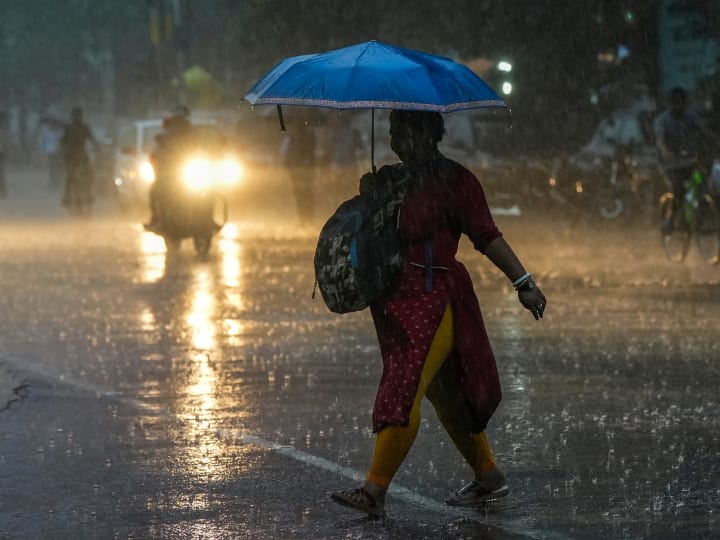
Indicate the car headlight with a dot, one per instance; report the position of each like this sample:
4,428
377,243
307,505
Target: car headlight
147,172
229,171
197,174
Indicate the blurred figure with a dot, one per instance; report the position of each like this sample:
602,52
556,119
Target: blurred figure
51,132
680,137
343,161
78,168
3,148
298,156
171,146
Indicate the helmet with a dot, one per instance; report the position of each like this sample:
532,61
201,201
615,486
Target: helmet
176,115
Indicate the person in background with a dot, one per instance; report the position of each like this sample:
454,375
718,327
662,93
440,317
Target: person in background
345,142
74,143
298,156
51,132
3,150
680,137
431,332
172,146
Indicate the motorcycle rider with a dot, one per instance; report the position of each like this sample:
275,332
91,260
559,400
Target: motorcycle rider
679,136
175,142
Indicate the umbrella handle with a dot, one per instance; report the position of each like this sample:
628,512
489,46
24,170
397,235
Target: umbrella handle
372,140
282,120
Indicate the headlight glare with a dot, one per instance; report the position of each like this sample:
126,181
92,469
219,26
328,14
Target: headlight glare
197,174
147,172
229,171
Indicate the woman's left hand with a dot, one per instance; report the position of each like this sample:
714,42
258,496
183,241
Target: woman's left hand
534,300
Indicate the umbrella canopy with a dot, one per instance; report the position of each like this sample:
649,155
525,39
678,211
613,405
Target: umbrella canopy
374,75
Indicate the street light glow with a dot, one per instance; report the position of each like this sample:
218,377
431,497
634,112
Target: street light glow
507,88
504,66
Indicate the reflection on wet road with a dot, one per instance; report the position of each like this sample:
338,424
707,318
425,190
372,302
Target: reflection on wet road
176,376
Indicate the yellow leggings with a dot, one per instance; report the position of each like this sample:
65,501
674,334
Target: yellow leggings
393,442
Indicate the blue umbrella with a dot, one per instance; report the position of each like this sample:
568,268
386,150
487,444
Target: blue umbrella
373,75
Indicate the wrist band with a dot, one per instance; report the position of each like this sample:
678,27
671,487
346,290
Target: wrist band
521,279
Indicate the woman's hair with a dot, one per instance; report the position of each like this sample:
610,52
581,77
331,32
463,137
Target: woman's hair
430,121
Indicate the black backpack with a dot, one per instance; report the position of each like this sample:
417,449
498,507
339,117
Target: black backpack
358,254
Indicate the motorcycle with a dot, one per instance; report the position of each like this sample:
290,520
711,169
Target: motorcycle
618,187
190,208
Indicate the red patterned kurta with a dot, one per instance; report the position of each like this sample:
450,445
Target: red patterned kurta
443,208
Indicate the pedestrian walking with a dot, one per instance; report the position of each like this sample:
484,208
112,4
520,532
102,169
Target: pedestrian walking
344,143
3,148
51,132
432,337
298,157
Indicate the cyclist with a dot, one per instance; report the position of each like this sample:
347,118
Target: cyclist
679,134
74,142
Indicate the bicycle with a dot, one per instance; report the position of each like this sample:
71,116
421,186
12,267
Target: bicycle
696,215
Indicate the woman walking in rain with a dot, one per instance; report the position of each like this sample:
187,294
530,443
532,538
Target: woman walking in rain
431,332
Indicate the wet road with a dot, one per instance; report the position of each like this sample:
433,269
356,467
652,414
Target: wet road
171,397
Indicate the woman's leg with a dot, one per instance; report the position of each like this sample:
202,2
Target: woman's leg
393,442
454,413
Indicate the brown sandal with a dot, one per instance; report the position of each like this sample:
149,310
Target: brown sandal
359,499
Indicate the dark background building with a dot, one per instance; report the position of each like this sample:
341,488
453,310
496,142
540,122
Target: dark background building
571,61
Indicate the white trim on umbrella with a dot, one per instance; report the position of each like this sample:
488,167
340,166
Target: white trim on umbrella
334,104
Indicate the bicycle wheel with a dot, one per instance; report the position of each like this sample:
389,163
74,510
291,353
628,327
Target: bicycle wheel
708,230
610,206
676,236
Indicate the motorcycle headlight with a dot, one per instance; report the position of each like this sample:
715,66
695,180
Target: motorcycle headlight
197,174
229,171
147,172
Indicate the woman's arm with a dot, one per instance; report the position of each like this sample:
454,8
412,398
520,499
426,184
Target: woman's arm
530,296
502,256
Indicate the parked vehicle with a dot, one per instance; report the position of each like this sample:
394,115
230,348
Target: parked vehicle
616,175
622,185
